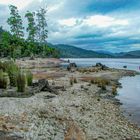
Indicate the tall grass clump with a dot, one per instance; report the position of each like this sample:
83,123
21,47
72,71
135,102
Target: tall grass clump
4,80
114,90
74,80
21,82
71,81
29,77
12,69
1,65
102,85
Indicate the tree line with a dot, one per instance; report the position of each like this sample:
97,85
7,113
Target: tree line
13,44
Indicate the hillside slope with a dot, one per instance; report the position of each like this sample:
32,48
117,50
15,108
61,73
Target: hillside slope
131,54
68,51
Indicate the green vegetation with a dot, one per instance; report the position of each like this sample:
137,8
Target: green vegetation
29,76
4,80
11,75
14,45
12,69
67,51
31,29
21,82
114,90
73,80
98,80
15,22
42,32
101,82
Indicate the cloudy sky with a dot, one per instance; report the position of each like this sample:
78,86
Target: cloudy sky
108,25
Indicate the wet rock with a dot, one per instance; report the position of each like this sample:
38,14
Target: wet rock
101,66
71,66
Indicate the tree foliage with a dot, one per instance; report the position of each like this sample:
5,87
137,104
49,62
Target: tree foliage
15,22
31,29
13,45
42,31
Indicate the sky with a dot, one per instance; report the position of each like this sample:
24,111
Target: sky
99,25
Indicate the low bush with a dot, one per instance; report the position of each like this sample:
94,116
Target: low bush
1,65
102,85
4,80
71,81
21,82
29,77
12,69
114,90
74,80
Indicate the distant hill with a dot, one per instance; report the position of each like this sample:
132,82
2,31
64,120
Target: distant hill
68,51
131,54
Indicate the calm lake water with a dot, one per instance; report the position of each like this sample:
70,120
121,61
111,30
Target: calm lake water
129,95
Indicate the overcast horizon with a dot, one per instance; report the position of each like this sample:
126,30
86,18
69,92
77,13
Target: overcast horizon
99,25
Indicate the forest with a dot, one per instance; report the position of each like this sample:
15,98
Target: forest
28,41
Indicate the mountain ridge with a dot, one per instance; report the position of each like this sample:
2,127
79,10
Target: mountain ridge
69,51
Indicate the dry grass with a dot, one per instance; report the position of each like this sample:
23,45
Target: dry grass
74,132
114,90
88,70
45,75
73,80
101,82
95,80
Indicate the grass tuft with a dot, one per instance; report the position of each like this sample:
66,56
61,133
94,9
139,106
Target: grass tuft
4,80
21,82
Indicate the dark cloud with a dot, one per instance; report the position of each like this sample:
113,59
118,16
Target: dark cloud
112,33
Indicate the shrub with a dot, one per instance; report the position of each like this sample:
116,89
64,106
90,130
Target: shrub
12,69
21,82
99,81
102,85
71,81
92,81
114,90
29,77
1,65
74,80
4,80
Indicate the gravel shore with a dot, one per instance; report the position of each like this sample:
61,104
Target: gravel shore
82,107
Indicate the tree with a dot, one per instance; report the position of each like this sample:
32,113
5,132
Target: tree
15,22
31,29
42,31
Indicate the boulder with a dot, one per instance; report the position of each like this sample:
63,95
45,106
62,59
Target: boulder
71,66
101,66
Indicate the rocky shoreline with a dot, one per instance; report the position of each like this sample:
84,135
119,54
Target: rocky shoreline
82,110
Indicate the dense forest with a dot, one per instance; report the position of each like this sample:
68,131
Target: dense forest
14,45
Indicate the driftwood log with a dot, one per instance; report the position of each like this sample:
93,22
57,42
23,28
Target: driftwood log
43,85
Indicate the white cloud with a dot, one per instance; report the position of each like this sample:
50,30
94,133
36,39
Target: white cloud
19,3
104,21
55,7
100,21
68,22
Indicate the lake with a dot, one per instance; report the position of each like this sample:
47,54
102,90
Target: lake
129,95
